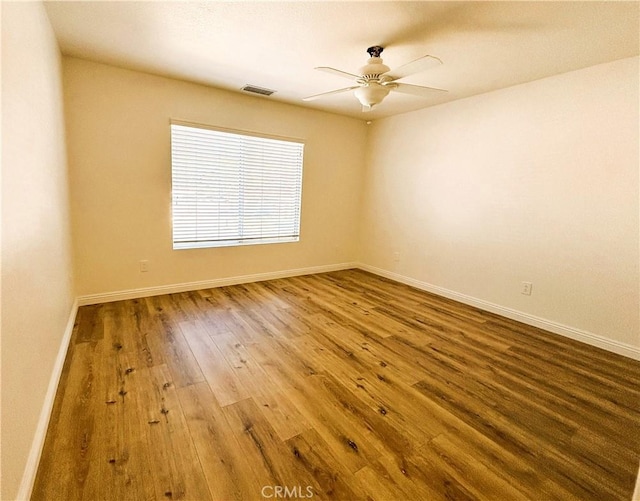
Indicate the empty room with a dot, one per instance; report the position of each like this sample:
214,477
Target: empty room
320,250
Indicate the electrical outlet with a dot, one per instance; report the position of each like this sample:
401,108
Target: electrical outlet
144,266
526,288
396,257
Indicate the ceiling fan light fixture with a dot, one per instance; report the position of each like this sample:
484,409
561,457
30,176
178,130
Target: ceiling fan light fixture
371,94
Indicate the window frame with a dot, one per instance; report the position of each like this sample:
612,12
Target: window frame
241,242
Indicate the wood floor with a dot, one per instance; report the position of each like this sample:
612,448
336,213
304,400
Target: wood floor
334,386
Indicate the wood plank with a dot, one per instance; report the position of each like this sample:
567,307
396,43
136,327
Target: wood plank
333,479
169,448
272,462
279,411
63,475
222,380
225,466
474,475
89,323
175,350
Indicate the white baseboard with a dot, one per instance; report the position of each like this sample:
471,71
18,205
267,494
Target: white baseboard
31,468
590,338
207,284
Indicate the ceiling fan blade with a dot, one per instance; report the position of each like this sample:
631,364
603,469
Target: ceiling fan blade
416,90
339,73
323,94
420,64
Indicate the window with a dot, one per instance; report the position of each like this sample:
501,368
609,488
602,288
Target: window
233,189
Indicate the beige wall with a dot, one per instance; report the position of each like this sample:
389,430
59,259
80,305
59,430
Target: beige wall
37,292
537,182
119,155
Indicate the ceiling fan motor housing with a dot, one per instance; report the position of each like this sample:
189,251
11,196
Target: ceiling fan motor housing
373,69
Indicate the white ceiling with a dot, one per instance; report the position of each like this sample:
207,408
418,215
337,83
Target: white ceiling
483,45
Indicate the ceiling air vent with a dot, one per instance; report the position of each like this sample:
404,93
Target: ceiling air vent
257,90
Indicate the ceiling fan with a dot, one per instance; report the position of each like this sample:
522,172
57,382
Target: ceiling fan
376,80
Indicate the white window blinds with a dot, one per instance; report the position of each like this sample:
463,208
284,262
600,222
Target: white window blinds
233,189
